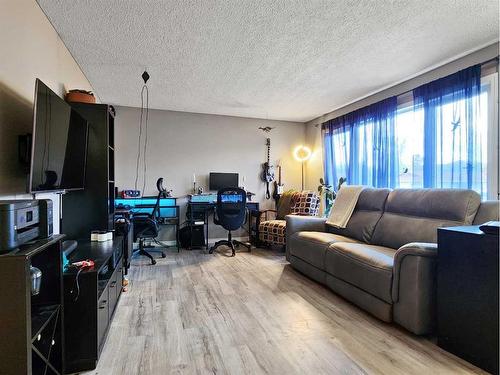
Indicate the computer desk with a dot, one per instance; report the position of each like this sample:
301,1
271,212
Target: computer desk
199,212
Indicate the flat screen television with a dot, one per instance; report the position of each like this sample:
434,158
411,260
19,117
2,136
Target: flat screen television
59,145
222,180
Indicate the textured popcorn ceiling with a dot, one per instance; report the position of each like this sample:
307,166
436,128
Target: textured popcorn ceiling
277,59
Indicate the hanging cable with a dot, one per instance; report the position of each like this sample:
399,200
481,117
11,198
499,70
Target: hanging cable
145,88
138,153
143,121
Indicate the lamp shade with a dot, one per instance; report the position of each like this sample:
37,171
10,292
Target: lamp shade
302,153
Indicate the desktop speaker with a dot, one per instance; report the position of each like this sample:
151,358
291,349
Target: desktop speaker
46,218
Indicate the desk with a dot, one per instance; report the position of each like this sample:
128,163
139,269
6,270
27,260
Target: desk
168,213
199,212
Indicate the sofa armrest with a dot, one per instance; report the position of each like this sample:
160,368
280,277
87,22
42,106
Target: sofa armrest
295,223
414,287
420,249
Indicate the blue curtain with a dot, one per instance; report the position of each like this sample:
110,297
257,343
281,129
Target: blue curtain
361,146
453,157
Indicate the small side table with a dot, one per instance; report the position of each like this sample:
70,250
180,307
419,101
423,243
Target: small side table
467,295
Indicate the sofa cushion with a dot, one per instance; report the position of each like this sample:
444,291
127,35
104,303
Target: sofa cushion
366,214
488,211
413,215
367,267
311,246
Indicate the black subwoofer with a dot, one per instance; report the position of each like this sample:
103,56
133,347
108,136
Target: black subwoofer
190,237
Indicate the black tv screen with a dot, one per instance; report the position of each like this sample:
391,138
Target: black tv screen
222,180
59,146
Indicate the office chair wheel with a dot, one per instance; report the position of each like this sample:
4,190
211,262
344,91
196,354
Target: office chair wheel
211,251
153,262
233,253
163,255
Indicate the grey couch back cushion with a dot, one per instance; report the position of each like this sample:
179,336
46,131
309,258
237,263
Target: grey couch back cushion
366,214
413,215
488,211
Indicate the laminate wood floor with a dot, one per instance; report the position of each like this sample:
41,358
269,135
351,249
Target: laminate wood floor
194,313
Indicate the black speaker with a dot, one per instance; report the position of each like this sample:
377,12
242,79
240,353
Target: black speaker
194,237
46,217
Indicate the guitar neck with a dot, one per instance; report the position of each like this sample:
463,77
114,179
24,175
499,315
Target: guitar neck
268,143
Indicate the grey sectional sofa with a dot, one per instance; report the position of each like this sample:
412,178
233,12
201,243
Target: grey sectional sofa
384,261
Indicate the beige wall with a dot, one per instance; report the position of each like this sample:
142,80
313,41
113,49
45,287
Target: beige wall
29,48
181,144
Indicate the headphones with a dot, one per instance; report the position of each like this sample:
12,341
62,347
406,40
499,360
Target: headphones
161,189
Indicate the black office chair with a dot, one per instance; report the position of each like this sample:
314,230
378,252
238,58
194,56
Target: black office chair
146,227
230,213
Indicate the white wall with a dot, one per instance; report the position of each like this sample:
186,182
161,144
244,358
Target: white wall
29,48
180,144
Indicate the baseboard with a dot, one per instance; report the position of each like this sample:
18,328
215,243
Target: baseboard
210,241
168,243
241,239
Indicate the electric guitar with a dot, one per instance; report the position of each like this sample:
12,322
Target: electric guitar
278,187
268,169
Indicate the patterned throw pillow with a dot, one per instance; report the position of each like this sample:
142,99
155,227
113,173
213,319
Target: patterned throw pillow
306,204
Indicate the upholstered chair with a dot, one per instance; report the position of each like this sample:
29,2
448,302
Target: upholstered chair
273,231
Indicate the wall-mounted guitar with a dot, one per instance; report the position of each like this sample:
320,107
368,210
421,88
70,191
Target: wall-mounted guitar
278,186
268,169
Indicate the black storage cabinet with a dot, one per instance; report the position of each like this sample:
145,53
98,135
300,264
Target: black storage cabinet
467,295
31,326
89,312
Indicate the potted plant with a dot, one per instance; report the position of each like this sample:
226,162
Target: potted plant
80,96
329,193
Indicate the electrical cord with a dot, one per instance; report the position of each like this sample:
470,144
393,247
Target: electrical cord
143,123
81,265
139,145
146,90
77,284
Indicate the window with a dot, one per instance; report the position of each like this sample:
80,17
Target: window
452,154
450,143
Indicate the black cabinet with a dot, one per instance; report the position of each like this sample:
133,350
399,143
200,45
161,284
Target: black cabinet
93,208
90,307
31,328
467,295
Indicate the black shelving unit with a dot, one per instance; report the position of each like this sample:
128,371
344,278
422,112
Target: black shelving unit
31,326
88,314
93,208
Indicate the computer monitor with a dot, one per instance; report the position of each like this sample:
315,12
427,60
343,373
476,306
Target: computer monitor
222,180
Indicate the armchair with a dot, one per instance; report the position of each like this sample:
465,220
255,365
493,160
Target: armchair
272,231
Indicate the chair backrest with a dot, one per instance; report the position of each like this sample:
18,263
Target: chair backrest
156,209
285,203
231,208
